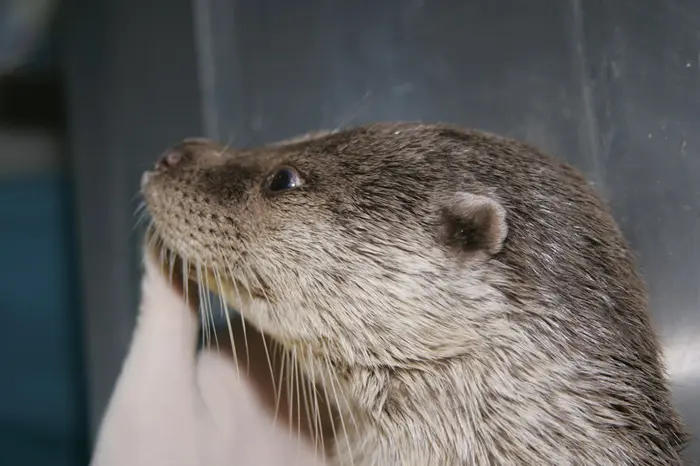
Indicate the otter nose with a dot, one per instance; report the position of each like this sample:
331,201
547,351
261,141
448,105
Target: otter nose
171,157
178,153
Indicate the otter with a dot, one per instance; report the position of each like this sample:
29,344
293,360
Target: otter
464,298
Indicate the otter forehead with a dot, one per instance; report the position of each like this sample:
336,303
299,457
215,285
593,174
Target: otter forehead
382,177
202,192
331,158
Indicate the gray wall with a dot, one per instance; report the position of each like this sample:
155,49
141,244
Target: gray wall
132,89
610,86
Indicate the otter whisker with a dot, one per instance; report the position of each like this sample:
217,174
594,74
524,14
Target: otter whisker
362,106
185,281
328,405
293,359
141,215
152,238
201,291
337,403
245,333
227,316
294,372
298,399
318,422
211,312
269,363
334,375
275,351
171,265
321,438
290,393
226,147
307,407
264,340
162,255
153,242
141,206
202,303
278,395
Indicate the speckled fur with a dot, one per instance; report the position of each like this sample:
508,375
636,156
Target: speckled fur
535,349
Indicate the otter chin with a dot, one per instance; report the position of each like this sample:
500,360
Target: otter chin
462,298
193,279
199,277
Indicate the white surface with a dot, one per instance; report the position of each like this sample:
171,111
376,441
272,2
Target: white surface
174,407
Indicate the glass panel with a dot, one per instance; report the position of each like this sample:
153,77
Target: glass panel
610,86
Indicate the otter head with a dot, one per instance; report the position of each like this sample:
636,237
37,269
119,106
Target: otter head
367,247
403,246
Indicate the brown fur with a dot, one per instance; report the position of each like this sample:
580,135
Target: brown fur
463,298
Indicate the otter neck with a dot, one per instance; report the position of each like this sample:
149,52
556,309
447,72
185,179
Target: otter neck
478,410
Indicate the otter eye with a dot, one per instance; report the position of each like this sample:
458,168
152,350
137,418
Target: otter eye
283,179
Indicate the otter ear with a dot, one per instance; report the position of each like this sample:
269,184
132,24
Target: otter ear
472,223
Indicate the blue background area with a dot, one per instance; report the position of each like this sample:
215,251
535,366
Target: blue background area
42,408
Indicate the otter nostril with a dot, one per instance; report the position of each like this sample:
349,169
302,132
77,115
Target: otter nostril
170,158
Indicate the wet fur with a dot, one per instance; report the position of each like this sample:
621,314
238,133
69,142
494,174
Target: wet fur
465,298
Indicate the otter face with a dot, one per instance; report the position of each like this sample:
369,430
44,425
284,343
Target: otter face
360,245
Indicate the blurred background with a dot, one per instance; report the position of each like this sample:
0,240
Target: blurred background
91,91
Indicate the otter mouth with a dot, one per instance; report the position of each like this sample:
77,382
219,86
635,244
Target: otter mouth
193,278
